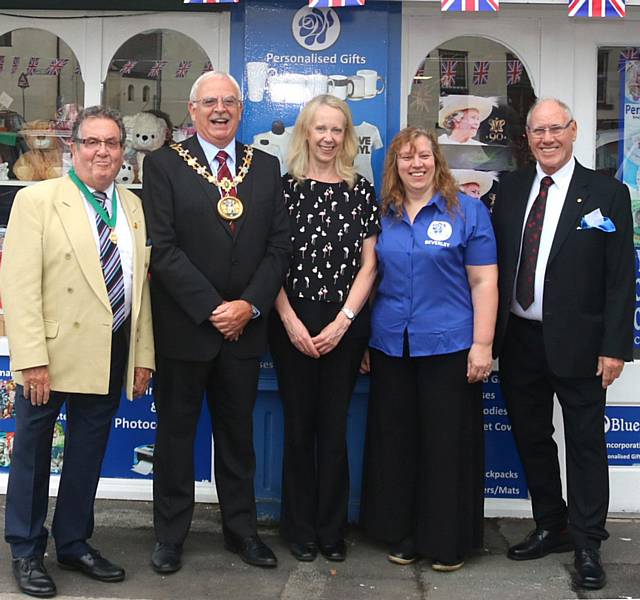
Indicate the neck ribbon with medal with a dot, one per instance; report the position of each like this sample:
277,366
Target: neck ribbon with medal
110,221
229,206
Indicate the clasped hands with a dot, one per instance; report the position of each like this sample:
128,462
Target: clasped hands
321,344
230,318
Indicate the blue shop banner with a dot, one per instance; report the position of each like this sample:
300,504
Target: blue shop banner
636,314
504,474
129,452
622,434
294,52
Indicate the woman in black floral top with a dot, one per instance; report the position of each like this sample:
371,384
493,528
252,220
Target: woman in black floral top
320,328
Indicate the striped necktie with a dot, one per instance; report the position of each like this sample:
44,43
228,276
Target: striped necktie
111,266
225,173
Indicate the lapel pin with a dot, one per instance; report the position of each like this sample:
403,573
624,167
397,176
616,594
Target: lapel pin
135,225
579,200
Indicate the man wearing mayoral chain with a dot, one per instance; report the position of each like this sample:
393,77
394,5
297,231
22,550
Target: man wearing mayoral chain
76,298
217,220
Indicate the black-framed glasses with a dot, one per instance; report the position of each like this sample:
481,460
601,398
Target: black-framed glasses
554,130
226,102
95,143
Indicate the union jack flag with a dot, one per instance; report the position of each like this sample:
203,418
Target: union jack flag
596,8
469,5
155,71
448,73
207,67
56,66
1,64
627,54
211,1
335,3
128,67
183,69
514,72
33,65
480,72
15,63
76,69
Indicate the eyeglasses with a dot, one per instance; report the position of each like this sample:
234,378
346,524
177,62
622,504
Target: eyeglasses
95,143
554,130
226,102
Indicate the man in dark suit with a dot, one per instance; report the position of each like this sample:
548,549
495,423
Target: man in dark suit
219,228
566,264
76,300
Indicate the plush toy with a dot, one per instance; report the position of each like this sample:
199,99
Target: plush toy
145,133
126,174
4,171
43,160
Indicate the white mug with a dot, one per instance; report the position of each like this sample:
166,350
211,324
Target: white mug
371,79
257,73
288,88
359,86
317,84
340,86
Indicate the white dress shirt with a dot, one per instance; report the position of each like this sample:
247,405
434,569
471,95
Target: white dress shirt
555,201
210,152
125,240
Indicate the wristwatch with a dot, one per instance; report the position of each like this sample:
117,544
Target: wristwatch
347,312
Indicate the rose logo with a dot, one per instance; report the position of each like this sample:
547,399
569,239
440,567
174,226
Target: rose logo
315,28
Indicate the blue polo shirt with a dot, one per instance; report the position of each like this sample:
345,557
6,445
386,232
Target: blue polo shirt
423,285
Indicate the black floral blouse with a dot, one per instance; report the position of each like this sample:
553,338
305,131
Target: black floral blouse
329,224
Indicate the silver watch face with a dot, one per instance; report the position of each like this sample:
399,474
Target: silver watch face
348,312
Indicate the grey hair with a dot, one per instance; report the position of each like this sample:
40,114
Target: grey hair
193,94
99,112
560,103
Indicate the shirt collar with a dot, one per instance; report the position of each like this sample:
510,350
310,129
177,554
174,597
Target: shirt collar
562,177
438,201
210,150
108,191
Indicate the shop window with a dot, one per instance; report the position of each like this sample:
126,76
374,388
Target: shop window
476,94
131,93
41,91
145,93
618,127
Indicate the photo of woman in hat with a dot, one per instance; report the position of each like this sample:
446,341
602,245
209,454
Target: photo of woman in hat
474,183
461,115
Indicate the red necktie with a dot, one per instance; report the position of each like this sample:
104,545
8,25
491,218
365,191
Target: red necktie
531,246
225,173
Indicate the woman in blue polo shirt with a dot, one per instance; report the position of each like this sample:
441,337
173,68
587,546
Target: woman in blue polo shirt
431,334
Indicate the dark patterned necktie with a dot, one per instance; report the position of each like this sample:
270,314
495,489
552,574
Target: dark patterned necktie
531,246
111,266
225,173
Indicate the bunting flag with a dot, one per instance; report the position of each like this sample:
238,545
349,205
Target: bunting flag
128,67
335,3
469,5
207,67
514,72
155,71
627,54
33,65
1,64
56,66
15,63
480,72
211,1
596,8
448,73
183,69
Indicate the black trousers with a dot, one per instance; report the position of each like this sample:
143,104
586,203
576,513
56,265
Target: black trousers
529,385
230,384
424,455
315,397
88,426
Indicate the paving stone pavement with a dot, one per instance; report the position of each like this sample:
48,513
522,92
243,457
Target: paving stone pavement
124,534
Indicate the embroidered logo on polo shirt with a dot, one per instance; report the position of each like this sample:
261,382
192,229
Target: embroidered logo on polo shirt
438,232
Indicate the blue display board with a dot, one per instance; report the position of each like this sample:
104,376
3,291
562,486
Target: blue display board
622,434
636,314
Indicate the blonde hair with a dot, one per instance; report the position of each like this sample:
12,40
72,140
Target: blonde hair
393,192
298,155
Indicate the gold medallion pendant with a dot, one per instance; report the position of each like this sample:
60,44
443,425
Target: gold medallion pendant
230,207
113,237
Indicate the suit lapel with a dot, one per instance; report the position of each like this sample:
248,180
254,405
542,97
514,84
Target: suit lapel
136,226
520,209
69,205
244,189
571,209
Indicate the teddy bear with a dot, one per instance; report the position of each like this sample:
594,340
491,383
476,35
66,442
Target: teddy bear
43,160
145,133
4,171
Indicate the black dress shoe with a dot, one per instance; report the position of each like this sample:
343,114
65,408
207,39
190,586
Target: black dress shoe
336,552
539,543
589,571
94,565
253,551
304,551
165,558
32,577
